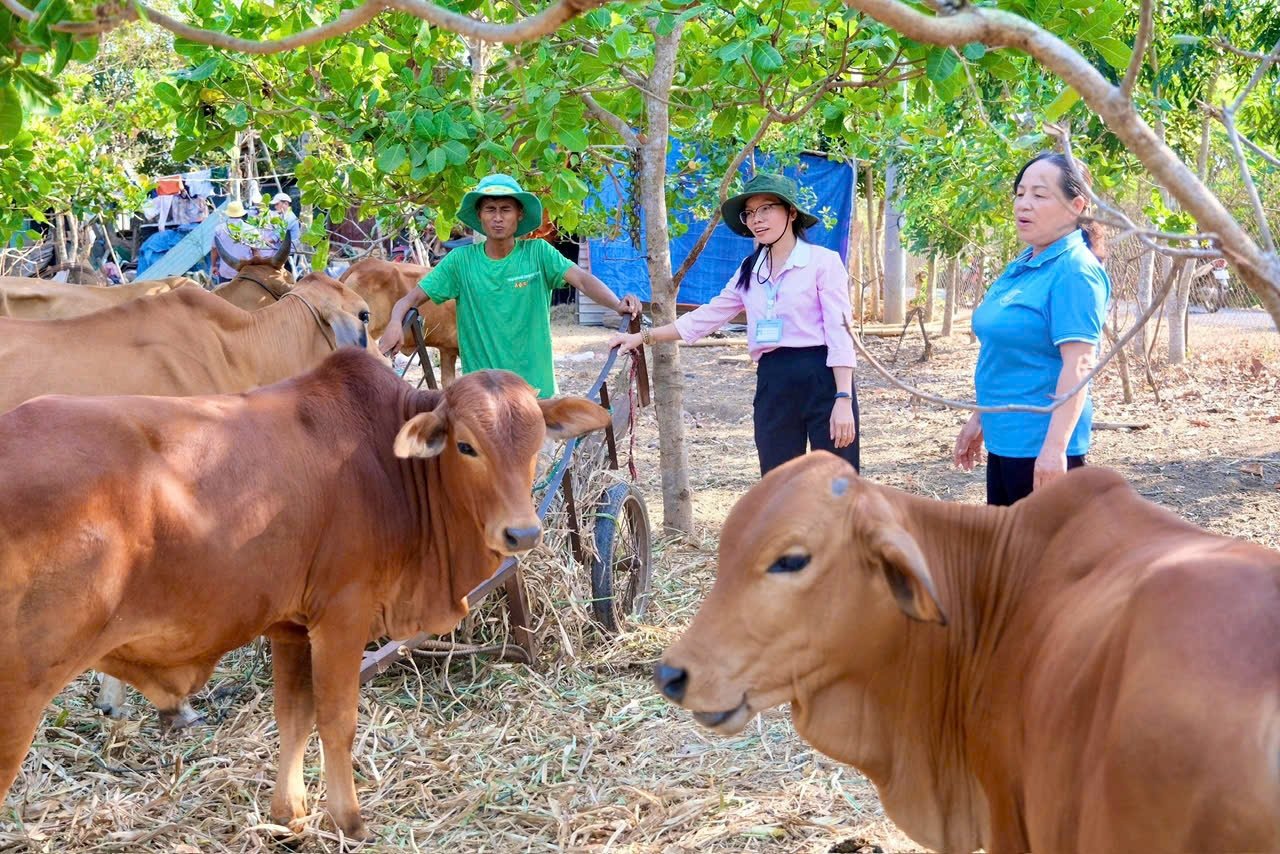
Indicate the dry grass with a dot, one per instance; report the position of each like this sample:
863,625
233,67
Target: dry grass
579,754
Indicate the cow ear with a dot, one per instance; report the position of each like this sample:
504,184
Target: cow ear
423,435
907,573
567,417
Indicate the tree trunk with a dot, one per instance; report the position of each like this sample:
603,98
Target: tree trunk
895,262
953,288
873,283
855,256
1176,316
1146,275
668,376
930,282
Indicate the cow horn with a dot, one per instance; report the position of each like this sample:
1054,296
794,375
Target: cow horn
282,252
225,256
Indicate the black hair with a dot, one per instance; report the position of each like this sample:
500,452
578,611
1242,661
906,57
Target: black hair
744,271
1074,181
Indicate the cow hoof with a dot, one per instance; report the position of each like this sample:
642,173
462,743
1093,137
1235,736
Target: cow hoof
357,834
179,719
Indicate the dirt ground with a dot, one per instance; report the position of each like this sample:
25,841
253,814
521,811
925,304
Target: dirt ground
579,754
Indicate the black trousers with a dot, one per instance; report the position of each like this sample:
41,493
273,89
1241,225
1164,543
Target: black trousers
1011,478
795,393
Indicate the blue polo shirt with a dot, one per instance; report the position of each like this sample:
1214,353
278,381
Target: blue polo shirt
1037,305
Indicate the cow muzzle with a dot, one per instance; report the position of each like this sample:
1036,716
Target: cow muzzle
673,683
516,539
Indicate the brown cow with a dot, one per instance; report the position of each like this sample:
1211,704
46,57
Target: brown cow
184,342
261,280
40,299
1083,671
148,536
382,283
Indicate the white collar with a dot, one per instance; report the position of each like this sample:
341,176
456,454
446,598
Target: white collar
799,257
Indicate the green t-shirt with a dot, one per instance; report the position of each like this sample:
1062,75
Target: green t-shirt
504,307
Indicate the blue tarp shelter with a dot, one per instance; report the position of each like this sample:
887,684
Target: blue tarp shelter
622,266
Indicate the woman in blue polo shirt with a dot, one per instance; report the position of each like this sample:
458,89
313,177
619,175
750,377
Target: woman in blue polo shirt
1039,326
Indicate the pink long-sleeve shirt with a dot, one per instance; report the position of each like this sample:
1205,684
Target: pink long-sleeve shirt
812,302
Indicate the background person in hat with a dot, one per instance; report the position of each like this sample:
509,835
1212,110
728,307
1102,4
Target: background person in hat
282,204
796,296
503,287
222,236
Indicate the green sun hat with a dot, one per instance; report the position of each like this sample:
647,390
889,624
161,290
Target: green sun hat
501,186
764,182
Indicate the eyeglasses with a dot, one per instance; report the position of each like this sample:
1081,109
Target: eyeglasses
747,215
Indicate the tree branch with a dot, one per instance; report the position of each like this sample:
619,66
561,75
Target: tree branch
543,23
613,120
1139,51
1258,73
1246,175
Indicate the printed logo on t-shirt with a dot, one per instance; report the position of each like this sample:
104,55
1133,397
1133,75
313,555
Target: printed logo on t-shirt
1008,298
521,280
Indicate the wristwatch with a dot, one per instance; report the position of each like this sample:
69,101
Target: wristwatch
843,395
646,337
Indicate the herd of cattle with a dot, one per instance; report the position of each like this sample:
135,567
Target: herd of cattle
181,472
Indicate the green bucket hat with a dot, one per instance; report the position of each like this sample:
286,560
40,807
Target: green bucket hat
501,186
764,182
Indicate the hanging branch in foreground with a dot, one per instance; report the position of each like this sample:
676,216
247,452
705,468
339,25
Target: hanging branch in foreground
533,27
1151,309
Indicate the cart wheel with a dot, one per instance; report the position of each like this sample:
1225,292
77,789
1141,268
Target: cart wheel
621,573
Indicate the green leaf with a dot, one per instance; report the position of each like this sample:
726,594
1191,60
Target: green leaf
765,59
572,139
940,64
1114,51
85,49
203,71
1184,39
974,51
167,95
390,158
184,149
10,113
63,47
437,160
455,152
1061,104
238,115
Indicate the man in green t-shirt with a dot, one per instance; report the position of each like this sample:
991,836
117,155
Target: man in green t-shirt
503,287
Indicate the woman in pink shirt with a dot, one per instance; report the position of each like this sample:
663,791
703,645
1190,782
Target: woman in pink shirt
796,297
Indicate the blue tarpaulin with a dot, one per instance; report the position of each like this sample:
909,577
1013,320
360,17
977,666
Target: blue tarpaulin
622,266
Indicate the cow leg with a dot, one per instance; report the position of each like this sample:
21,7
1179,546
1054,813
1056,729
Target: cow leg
21,715
448,368
295,716
336,652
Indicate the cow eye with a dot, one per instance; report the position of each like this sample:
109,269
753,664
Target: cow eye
364,316
790,563
464,448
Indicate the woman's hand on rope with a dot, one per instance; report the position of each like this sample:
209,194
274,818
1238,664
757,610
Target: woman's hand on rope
625,341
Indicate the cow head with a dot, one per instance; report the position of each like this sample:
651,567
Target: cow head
337,308
816,579
485,435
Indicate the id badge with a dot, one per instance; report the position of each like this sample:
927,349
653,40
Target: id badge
768,331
